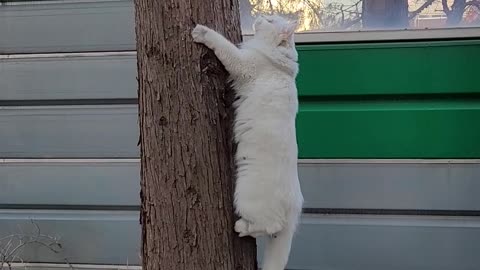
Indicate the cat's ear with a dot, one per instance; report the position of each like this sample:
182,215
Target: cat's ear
288,30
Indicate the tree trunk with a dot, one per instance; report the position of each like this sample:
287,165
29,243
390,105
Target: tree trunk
455,15
246,15
385,14
186,146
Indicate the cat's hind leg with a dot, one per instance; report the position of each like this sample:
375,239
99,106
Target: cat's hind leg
246,228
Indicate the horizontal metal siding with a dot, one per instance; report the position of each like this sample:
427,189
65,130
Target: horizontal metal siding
54,184
69,131
322,242
338,186
73,76
101,237
65,266
384,128
391,186
379,243
69,26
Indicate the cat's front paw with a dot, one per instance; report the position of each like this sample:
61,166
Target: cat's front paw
199,33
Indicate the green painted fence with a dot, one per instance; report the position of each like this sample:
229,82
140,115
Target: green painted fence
390,100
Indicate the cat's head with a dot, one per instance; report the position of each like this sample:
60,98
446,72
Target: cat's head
275,29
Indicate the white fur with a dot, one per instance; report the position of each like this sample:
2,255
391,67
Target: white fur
268,197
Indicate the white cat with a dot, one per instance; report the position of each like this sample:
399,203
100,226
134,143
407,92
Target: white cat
268,197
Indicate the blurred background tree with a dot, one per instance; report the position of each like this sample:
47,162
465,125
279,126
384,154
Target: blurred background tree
335,15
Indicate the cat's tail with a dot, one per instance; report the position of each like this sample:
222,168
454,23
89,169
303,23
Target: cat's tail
277,249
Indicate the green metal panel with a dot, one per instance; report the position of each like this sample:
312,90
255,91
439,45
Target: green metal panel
370,131
389,68
390,100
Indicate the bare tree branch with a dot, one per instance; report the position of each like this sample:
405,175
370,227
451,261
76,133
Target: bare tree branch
314,9
69,264
413,14
15,243
271,5
474,3
446,9
351,23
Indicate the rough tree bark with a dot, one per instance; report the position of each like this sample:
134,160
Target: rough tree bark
185,139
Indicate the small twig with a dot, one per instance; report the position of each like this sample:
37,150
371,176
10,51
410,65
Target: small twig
413,14
343,14
21,261
474,3
6,249
69,264
351,23
9,252
271,5
36,226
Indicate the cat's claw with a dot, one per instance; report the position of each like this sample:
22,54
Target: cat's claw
199,33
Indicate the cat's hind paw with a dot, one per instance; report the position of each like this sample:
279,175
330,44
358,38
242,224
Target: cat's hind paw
241,227
199,33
